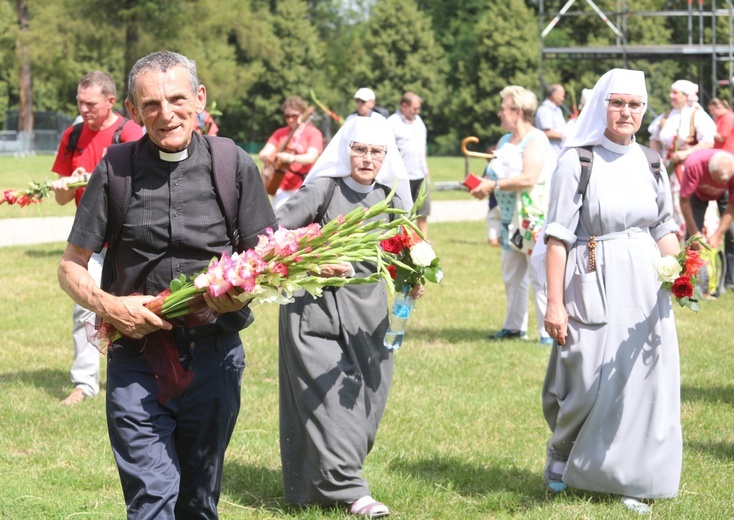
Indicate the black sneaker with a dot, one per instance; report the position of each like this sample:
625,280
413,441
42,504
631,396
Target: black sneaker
508,334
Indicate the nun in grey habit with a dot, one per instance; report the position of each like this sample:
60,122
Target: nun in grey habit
335,373
612,391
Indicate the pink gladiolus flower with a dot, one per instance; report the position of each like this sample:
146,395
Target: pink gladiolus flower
286,242
244,270
340,219
280,269
265,243
218,285
310,232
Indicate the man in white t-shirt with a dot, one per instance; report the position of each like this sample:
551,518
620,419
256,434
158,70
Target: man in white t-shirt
549,117
411,137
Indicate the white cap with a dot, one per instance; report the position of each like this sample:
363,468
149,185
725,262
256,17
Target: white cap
365,94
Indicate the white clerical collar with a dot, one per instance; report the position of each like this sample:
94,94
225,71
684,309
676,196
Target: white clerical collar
359,188
617,148
175,156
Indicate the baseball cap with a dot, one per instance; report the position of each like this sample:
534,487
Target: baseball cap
365,94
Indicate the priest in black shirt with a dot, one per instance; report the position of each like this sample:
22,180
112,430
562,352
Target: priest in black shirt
168,440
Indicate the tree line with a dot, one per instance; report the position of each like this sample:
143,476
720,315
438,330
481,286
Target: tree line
252,54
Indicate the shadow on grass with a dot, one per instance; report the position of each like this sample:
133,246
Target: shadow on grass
709,394
461,335
254,487
721,450
54,382
477,480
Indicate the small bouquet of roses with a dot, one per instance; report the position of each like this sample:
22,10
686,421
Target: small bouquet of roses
409,260
35,193
284,261
678,273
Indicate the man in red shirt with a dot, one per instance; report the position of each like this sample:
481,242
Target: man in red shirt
709,176
100,128
298,156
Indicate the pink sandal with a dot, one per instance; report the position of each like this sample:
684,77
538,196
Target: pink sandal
368,507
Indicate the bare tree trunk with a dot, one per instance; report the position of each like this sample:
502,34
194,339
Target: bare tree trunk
25,114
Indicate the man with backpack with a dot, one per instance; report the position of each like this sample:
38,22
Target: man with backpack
166,205
82,146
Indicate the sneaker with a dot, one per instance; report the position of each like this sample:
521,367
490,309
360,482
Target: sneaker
508,334
546,342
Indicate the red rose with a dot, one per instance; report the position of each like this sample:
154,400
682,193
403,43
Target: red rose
410,237
392,245
23,200
393,271
694,262
9,196
682,287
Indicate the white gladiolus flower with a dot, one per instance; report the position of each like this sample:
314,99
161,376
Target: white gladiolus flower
422,254
668,269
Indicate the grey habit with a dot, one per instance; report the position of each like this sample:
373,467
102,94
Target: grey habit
612,394
335,373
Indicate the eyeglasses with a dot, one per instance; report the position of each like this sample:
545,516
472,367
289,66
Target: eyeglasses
290,116
360,150
619,104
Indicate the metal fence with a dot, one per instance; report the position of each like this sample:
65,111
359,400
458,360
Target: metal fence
20,144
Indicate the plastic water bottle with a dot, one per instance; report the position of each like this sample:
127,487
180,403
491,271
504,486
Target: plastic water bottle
400,313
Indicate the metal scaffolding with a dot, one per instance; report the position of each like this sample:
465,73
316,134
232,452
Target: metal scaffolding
701,17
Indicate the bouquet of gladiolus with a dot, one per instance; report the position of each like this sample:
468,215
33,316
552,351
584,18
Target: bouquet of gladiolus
284,261
35,193
678,273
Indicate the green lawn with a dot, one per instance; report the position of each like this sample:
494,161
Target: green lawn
463,436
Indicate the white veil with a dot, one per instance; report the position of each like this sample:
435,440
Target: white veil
334,162
592,122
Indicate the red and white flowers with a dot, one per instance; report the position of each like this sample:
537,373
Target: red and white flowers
410,260
678,273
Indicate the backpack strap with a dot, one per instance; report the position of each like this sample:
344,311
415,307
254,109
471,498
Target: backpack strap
117,136
71,146
119,189
224,172
653,159
692,139
586,158
327,200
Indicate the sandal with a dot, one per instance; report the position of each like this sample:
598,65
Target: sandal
553,473
636,505
368,507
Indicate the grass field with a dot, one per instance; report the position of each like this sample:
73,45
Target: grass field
463,436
